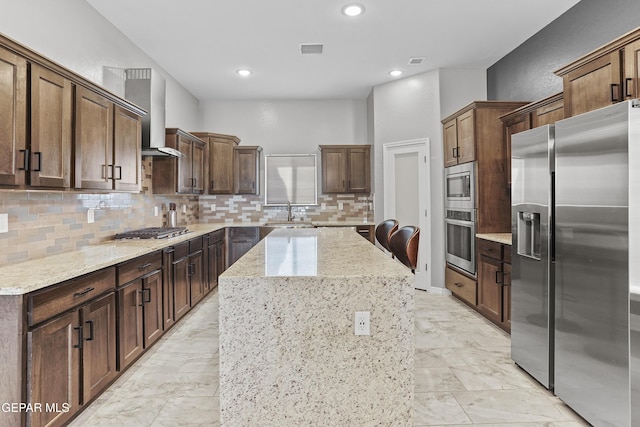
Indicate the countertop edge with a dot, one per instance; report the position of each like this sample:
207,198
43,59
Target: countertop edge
504,238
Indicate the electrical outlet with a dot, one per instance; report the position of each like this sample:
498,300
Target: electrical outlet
91,216
155,211
212,207
4,223
340,206
362,323
258,207
323,206
184,209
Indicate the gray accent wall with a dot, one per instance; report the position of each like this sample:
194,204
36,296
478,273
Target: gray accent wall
527,72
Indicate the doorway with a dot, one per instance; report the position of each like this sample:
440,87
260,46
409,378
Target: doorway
406,195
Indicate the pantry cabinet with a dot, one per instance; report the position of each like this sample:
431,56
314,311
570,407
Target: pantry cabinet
246,169
603,77
183,175
219,161
346,168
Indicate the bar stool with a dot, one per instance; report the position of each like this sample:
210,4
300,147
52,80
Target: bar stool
404,245
384,230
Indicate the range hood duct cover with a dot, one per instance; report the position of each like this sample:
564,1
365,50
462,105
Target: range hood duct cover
146,88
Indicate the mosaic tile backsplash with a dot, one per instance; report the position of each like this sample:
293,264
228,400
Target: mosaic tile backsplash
43,223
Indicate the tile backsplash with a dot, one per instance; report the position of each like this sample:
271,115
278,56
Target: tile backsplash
43,223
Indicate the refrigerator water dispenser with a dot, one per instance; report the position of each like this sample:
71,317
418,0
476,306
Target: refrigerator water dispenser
529,234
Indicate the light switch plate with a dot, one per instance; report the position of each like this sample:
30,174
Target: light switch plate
340,206
213,207
184,209
155,211
91,216
4,223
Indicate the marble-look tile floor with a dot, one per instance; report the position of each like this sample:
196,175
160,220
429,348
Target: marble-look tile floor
463,376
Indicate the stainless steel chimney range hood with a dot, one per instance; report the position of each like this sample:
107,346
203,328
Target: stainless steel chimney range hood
146,88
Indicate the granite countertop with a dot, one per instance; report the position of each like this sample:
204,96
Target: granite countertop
29,276
504,238
315,252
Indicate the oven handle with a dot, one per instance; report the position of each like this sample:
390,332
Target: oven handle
462,223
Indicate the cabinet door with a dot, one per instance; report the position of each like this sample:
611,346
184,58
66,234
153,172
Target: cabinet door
489,290
211,270
359,163
592,86
51,129
196,276
13,110
548,114
99,346
466,137
631,70
220,167
94,141
450,137
152,307
239,247
167,289
184,174
181,287
127,148
506,297
130,336
246,171
197,168
53,369
519,124
334,170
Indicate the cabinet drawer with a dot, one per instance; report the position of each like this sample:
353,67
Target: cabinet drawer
216,236
249,232
489,249
195,245
49,302
180,251
506,254
138,267
461,285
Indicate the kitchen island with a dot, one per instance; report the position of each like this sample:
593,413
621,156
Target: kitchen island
288,350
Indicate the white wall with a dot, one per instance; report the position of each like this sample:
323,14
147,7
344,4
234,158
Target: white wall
288,126
411,108
73,34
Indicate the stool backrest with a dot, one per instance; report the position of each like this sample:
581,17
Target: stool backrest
384,230
404,245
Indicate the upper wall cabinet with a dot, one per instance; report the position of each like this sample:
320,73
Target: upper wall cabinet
43,106
603,77
346,168
459,139
219,162
246,166
185,174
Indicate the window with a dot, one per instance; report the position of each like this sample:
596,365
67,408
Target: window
291,178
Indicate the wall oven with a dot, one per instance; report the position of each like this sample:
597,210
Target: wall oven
460,239
460,186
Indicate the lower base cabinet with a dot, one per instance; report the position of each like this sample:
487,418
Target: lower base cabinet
462,286
215,257
494,282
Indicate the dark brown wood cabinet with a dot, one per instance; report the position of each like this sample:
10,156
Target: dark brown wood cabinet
215,258
459,139
71,345
127,148
181,285
246,169
346,168
185,174
545,111
461,285
602,77
196,270
13,110
494,282
219,162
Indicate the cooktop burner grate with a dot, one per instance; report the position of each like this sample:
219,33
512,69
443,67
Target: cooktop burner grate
153,233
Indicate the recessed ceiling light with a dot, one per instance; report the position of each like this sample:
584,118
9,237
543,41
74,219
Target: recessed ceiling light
395,73
243,72
353,9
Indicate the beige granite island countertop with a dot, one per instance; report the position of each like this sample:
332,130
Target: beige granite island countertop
504,238
288,350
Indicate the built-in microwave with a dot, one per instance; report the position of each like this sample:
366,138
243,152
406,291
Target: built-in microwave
460,186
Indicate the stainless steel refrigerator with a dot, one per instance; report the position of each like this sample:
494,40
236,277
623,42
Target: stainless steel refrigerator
594,359
532,269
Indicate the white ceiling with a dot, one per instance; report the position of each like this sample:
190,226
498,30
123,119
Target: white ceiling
202,43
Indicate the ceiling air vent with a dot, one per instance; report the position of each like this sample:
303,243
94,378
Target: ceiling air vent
416,60
311,48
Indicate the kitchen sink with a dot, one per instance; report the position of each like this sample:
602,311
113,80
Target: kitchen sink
291,224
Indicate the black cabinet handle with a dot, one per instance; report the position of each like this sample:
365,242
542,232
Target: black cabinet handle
144,266
86,291
626,87
211,183
79,330
141,303
499,277
119,168
39,161
90,323
615,92
459,285
25,162
146,296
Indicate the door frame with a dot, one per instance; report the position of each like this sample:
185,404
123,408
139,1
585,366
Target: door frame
420,146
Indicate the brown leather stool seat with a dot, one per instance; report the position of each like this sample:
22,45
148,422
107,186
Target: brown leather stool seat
384,230
404,245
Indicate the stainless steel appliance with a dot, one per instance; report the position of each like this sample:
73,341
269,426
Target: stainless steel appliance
460,186
532,281
597,268
153,233
594,243
460,239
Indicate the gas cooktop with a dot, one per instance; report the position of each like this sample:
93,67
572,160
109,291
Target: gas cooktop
153,233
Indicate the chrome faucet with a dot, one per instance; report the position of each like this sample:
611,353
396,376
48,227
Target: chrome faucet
289,216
